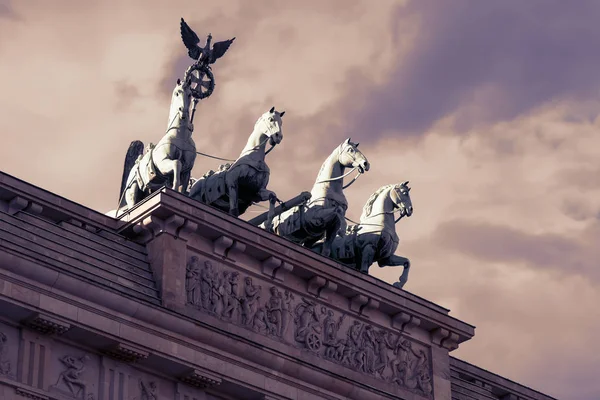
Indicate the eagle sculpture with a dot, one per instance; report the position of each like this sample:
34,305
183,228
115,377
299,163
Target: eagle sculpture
204,54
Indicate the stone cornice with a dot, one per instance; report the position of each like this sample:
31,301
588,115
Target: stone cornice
503,388
16,195
166,212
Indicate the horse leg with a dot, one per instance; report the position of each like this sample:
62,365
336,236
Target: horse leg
167,166
264,195
131,194
232,192
177,175
332,231
367,255
396,261
185,181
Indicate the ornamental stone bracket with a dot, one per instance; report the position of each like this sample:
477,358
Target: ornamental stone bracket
321,287
153,226
444,338
363,305
46,325
21,204
228,248
276,269
200,379
126,353
405,322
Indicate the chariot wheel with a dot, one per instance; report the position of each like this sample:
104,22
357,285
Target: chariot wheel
313,342
201,80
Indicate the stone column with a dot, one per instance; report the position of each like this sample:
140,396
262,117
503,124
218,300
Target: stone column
166,243
443,342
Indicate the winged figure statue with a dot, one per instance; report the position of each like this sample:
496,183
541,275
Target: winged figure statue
204,54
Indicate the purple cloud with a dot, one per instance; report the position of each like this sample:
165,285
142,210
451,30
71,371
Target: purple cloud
493,243
523,53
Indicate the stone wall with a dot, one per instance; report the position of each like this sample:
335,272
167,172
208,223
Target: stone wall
36,366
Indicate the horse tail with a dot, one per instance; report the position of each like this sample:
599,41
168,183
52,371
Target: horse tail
136,149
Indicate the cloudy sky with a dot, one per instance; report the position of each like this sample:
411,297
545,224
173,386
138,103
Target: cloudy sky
490,109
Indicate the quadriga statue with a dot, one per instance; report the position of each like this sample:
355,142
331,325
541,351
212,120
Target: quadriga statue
324,215
168,163
374,239
234,188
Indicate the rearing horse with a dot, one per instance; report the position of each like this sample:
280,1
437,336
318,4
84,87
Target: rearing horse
324,215
375,238
171,160
235,187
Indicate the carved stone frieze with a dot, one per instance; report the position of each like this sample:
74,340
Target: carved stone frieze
316,328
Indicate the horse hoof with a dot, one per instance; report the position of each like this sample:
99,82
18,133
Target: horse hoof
399,285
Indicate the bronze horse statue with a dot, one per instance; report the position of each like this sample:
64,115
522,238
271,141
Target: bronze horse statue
234,188
169,162
374,239
323,216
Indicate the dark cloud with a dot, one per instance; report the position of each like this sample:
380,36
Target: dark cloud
494,243
126,93
7,10
501,59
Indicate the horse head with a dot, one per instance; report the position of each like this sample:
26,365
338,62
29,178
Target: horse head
181,99
269,124
400,196
351,157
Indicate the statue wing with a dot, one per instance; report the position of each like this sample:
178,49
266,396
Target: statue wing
219,49
190,40
136,149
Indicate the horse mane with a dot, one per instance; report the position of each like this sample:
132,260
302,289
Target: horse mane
368,208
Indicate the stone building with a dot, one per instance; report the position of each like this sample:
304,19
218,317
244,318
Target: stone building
180,301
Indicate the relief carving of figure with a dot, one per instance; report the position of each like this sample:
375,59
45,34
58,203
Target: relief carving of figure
286,314
274,309
192,281
220,293
206,286
309,325
381,349
231,299
249,301
71,376
148,390
5,367
369,349
260,323
330,333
